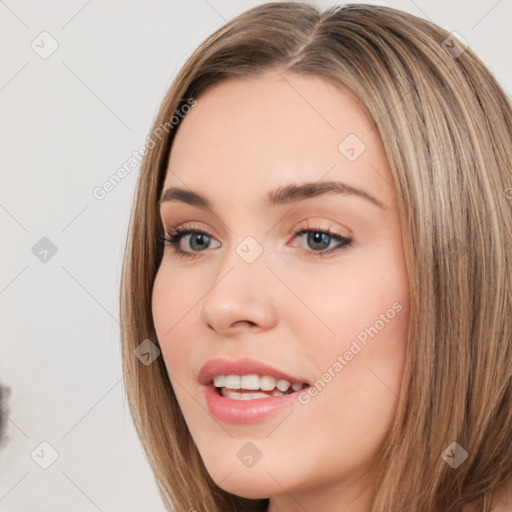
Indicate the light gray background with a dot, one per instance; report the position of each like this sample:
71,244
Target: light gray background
68,123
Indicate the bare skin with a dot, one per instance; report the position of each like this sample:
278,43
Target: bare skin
289,308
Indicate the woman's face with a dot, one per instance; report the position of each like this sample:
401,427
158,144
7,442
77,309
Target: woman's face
330,311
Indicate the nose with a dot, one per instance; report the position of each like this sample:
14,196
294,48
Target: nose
242,297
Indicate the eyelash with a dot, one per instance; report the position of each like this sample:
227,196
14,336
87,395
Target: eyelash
175,235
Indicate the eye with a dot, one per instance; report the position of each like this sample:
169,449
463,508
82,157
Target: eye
199,241
317,238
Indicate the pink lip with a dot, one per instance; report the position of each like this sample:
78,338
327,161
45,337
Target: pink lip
246,411
241,367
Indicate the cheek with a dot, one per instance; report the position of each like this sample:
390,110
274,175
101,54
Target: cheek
360,355
359,293
360,367
174,295
171,305
173,301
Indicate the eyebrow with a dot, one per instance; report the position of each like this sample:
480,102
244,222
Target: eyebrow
280,196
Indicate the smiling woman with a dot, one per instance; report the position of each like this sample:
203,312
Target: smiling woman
321,251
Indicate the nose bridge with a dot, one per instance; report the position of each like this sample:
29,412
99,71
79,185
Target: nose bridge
241,291
246,257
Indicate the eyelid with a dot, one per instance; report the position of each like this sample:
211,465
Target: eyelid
325,224
180,231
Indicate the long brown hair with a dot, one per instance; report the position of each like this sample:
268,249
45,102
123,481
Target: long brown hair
446,126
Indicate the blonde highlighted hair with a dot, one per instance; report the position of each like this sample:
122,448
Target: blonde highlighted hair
446,126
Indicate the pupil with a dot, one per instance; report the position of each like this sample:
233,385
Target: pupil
202,240
318,238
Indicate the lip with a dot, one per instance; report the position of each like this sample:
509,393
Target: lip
242,367
246,411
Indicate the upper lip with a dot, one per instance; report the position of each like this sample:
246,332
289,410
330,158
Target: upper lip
242,366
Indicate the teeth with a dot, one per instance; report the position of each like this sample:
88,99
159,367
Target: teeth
249,382
237,395
282,384
232,381
267,383
241,395
254,382
218,381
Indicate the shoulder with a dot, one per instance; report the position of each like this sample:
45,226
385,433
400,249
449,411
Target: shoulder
502,502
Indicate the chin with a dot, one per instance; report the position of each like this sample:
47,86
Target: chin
248,487
251,483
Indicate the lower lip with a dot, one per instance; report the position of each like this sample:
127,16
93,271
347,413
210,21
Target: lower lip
246,411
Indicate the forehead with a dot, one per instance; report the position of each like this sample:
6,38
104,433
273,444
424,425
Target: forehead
252,134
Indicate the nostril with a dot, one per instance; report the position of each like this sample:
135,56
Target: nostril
240,323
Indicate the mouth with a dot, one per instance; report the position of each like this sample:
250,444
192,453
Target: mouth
247,390
254,386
